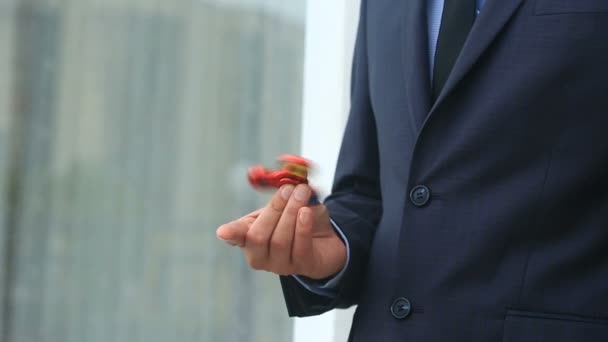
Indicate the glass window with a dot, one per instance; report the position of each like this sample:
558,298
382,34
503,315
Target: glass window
126,127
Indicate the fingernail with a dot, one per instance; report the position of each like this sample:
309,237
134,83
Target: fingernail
221,239
286,191
304,217
218,232
301,193
230,242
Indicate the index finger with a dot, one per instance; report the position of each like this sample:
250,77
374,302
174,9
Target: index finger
261,230
253,215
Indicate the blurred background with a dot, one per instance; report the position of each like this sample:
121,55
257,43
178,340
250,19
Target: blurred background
126,127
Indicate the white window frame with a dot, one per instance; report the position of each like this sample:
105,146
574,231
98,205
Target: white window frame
330,35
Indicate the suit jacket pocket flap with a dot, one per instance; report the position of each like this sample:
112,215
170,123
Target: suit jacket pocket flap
547,7
527,326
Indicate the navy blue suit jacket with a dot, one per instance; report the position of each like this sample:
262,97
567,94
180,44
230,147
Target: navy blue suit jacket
513,244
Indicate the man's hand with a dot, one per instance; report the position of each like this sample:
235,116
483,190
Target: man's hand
287,237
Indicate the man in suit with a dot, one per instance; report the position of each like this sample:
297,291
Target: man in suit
470,200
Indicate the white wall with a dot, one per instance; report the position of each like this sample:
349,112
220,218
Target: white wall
330,34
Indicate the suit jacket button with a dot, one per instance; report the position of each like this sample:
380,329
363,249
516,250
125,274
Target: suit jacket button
420,195
401,308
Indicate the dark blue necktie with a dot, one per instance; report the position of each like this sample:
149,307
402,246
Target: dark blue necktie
456,22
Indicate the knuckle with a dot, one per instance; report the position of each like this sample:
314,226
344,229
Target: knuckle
280,244
276,205
283,269
291,211
299,268
284,273
298,255
255,264
256,238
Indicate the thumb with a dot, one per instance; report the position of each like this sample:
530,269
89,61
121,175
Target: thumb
233,233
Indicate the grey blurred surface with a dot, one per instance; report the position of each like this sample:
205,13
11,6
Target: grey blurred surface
126,127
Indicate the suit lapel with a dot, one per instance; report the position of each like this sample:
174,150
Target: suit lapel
416,68
493,17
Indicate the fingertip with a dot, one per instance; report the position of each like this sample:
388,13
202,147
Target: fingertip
232,233
285,191
222,232
279,199
302,193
